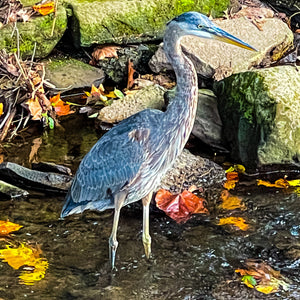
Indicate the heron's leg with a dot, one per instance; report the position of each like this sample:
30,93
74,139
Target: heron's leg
113,243
146,235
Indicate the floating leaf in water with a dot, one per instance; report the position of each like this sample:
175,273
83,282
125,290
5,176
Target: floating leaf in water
236,221
231,202
25,256
231,179
262,277
61,108
180,206
7,227
281,183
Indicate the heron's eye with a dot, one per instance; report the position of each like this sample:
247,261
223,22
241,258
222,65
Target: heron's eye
200,26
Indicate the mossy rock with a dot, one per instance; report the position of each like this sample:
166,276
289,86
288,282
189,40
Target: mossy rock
260,113
128,21
38,30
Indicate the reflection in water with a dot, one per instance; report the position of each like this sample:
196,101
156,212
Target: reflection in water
191,261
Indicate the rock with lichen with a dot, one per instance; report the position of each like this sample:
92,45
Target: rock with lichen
260,112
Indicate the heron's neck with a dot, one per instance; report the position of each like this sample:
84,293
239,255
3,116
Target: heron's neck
181,111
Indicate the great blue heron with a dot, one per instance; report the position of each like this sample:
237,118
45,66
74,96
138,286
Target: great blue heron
128,162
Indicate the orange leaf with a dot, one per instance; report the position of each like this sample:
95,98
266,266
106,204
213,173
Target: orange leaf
131,72
179,207
35,108
105,52
61,108
232,179
230,202
236,221
1,109
45,8
7,227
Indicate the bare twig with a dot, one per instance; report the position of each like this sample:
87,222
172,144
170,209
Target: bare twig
7,124
54,19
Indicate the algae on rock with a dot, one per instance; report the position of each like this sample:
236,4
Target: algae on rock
130,21
38,30
260,112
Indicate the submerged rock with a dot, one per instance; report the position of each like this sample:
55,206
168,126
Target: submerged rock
189,170
68,73
221,60
8,191
260,111
36,180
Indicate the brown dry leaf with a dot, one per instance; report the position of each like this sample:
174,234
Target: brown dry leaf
105,52
236,221
45,8
231,202
131,72
7,227
35,108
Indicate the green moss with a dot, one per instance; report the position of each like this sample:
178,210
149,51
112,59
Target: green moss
247,112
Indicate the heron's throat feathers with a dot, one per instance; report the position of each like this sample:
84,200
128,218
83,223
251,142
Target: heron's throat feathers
182,108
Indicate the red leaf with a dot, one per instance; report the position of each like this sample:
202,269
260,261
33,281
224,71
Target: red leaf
179,207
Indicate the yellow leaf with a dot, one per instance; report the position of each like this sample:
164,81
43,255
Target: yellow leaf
1,109
295,182
266,289
236,221
280,183
7,227
26,256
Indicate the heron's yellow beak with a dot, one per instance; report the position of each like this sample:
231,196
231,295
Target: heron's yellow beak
226,37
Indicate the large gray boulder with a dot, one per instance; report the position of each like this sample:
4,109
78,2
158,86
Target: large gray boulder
260,112
215,58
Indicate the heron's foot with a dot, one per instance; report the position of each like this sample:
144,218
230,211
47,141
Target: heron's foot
147,245
113,245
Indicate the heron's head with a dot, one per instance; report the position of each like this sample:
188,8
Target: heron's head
194,23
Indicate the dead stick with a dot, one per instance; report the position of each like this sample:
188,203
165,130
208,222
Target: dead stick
7,124
54,19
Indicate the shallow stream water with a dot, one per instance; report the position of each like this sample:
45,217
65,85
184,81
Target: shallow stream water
191,261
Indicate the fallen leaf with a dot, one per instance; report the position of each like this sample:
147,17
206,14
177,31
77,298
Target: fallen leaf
236,221
262,277
105,52
60,107
231,202
180,207
232,178
35,108
26,256
131,71
45,8
280,183
1,109
7,227
35,145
